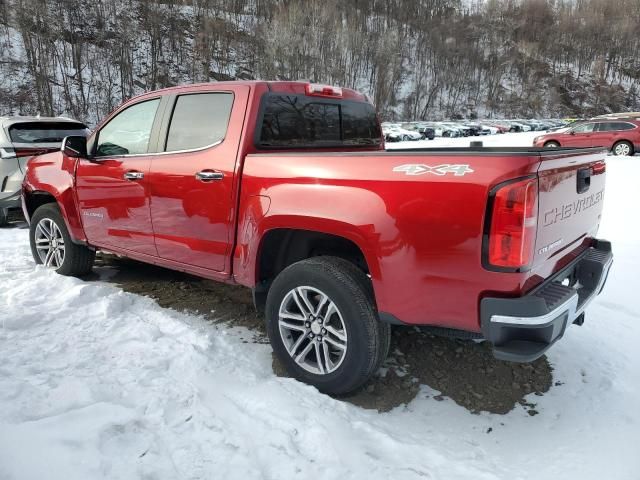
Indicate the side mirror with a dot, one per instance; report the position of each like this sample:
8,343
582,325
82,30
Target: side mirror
74,146
571,132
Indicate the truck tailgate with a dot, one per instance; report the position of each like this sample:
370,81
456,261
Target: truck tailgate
571,193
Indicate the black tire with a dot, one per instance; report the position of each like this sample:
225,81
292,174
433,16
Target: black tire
4,217
78,259
622,148
351,292
551,145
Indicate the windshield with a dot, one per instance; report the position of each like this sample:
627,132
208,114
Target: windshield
294,121
45,132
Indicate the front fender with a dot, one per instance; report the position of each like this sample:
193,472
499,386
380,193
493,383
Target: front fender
53,174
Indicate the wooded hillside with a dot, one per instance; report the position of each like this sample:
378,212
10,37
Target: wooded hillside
417,59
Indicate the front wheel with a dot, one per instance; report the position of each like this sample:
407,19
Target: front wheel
622,148
551,145
51,244
323,326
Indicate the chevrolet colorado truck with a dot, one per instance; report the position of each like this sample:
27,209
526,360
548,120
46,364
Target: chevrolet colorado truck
285,188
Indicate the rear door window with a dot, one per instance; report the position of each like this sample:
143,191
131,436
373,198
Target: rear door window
622,126
45,132
299,121
199,120
614,126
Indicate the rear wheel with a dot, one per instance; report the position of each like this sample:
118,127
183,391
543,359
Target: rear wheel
551,145
622,148
323,326
51,244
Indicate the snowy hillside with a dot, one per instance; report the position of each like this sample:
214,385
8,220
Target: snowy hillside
416,59
99,383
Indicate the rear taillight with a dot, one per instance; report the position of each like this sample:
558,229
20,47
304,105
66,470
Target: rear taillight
598,168
318,90
514,218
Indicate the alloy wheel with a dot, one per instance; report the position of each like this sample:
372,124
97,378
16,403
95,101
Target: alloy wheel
49,243
312,330
623,149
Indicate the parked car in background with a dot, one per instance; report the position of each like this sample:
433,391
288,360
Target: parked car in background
450,129
399,134
621,136
428,133
536,125
502,126
493,130
478,129
517,126
528,126
20,139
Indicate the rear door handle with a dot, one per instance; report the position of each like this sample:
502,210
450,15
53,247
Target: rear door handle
209,175
133,175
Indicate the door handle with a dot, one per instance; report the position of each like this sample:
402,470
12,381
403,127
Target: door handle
133,175
584,179
209,175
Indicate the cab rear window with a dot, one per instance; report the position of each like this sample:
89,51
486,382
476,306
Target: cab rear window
45,132
300,121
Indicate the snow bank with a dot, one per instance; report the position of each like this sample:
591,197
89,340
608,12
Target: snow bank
98,383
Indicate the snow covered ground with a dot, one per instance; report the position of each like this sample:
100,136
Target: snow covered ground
99,383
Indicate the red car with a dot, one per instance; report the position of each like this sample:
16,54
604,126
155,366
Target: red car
283,187
620,135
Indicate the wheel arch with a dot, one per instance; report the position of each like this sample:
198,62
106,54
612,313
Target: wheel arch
34,199
281,247
52,176
624,140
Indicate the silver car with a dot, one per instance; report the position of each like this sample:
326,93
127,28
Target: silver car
20,139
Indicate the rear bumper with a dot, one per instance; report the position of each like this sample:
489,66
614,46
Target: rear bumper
522,329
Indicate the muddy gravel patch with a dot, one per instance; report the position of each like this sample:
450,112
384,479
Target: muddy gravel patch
215,301
464,371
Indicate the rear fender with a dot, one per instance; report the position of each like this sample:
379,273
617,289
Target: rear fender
287,207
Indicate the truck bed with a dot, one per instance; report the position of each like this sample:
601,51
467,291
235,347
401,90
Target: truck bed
419,217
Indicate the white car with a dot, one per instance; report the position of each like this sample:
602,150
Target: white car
400,134
20,139
491,128
523,127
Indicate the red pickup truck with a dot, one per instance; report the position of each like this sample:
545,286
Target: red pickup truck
285,187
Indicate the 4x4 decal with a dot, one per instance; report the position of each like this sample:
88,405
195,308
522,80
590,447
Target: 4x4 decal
457,170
